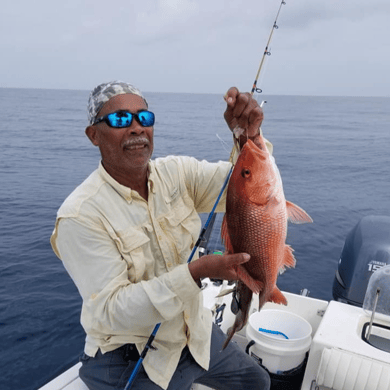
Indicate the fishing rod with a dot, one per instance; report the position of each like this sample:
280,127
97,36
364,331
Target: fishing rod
267,52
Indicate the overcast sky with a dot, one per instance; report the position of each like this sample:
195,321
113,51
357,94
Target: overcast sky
322,47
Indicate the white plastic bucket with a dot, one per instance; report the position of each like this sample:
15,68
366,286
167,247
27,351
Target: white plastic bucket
275,351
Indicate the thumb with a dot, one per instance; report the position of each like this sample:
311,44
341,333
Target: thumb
230,96
239,258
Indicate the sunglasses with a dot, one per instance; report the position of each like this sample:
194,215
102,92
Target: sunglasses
121,119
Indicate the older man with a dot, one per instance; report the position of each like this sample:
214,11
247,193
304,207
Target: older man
124,236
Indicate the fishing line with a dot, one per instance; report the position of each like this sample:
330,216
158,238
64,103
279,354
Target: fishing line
223,143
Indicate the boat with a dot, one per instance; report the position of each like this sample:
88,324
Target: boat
347,340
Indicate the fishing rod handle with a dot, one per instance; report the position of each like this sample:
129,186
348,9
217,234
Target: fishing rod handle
142,357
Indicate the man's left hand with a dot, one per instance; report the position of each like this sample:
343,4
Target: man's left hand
243,112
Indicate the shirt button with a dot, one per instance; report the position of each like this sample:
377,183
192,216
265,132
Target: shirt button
159,238
169,264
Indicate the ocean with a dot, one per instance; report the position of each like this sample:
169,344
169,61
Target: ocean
332,152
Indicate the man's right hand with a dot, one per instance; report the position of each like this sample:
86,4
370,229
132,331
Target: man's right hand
226,267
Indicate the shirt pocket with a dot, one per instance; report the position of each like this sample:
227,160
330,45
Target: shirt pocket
134,246
182,226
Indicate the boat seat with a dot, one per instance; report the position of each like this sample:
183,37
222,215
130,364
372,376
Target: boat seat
342,370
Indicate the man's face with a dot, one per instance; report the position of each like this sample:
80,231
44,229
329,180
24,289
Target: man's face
126,149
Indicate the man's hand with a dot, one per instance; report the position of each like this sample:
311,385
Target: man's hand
226,267
243,112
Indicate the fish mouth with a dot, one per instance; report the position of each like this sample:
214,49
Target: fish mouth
254,150
137,143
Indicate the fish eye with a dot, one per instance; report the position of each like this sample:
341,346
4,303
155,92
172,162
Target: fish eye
245,173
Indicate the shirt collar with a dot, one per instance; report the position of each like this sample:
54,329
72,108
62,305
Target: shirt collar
151,177
124,191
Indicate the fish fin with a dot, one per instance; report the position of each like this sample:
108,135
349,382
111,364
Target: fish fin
225,235
296,214
289,259
225,292
245,298
254,285
230,334
277,297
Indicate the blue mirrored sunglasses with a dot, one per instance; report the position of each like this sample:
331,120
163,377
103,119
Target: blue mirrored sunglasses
120,119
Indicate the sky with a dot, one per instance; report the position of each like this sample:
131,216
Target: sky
321,48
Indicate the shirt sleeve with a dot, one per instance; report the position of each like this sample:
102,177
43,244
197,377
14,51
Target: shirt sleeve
100,273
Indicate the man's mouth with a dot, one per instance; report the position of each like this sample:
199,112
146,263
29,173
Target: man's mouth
135,144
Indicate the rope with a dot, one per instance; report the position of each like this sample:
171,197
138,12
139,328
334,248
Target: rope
275,332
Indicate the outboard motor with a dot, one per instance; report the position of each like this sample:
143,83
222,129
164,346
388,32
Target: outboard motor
366,249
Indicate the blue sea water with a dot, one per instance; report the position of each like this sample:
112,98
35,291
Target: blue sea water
333,154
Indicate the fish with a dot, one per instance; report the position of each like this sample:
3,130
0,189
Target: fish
255,222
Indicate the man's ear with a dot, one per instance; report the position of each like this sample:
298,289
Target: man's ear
92,134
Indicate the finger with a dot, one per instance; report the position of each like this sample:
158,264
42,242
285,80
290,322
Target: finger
236,107
241,105
238,258
255,119
246,105
230,96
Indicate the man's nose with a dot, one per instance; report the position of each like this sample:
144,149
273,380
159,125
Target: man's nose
136,128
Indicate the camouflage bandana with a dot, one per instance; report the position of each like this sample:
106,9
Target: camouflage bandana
104,92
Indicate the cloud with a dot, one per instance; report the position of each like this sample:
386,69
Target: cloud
196,45
303,13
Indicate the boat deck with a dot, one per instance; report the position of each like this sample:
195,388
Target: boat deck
338,358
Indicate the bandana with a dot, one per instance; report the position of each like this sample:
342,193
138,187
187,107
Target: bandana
104,92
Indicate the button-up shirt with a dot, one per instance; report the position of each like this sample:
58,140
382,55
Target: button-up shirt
128,259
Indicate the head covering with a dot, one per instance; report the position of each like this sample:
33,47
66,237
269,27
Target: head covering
104,92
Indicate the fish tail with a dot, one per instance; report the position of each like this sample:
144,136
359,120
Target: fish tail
245,298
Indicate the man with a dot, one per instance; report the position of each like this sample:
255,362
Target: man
124,236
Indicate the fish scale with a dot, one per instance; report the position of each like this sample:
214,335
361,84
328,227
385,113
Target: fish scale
255,222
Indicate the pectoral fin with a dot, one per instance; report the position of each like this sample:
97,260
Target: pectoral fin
296,214
225,236
254,285
225,292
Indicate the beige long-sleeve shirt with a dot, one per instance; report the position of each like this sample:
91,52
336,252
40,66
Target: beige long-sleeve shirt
128,259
